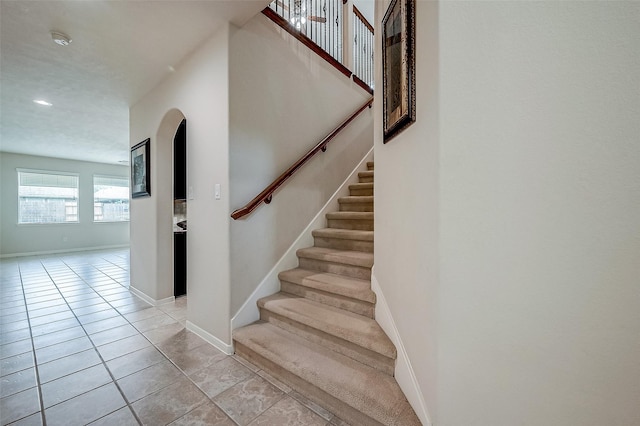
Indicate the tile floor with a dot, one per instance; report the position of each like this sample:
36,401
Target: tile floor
76,347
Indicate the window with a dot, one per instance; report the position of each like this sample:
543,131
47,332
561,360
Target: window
110,199
47,197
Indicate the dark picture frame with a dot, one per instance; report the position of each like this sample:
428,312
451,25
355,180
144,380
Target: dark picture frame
141,169
398,67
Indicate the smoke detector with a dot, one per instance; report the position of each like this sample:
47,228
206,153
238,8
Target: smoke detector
60,38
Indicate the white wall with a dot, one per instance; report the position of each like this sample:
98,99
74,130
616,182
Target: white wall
24,239
539,310
283,100
198,90
516,294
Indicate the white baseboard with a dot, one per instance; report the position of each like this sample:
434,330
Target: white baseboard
213,340
151,300
41,253
404,373
249,312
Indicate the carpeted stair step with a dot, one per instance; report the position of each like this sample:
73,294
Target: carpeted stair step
359,221
342,292
352,335
356,393
364,177
361,189
369,165
344,239
356,204
355,264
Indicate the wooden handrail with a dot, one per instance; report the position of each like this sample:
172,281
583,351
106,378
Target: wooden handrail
267,194
360,16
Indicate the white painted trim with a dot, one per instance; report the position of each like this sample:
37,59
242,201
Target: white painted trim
149,299
40,253
213,340
404,373
270,284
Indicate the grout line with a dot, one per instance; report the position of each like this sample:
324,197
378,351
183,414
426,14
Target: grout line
33,349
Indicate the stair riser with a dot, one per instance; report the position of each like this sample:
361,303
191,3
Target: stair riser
358,353
335,268
356,207
348,304
342,244
360,191
365,179
354,224
313,393
370,165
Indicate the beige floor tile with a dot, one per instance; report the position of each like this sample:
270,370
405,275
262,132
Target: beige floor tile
123,347
104,325
70,364
135,361
121,417
289,412
196,359
58,337
75,384
166,405
248,399
32,420
113,334
16,363
179,343
208,414
85,408
54,326
15,348
160,334
19,405
216,378
154,322
63,349
149,380
17,382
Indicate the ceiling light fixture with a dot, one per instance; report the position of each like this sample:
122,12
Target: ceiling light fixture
42,102
60,38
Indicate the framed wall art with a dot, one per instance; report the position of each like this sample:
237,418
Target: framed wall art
398,67
141,169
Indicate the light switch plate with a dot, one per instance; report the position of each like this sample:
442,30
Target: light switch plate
217,191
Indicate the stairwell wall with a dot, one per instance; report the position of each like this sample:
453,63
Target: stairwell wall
283,99
539,310
515,290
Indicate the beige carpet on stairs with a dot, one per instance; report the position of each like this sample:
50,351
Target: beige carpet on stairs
318,334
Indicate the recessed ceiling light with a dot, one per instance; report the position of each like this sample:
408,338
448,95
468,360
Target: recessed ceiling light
41,102
60,38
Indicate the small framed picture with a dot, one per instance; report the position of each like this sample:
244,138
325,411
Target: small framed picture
398,67
140,169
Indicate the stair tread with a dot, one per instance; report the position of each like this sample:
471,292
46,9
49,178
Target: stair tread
348,257
356,199
367,173
357,329
343,234
350,215
364,388
332,283
363,185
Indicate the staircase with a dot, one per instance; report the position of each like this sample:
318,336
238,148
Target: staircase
319,335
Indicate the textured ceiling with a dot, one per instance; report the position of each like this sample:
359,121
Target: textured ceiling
120,51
